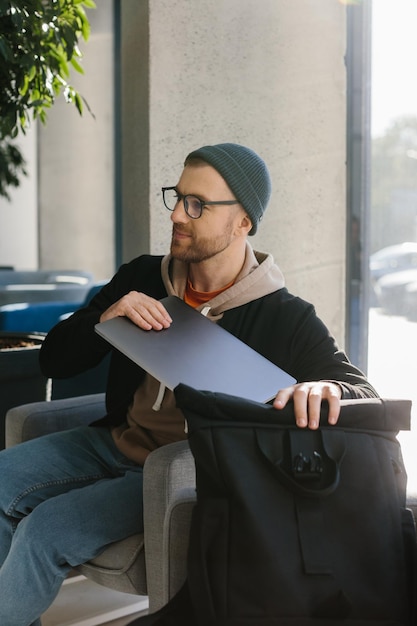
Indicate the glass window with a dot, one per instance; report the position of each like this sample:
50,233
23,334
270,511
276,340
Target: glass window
392,324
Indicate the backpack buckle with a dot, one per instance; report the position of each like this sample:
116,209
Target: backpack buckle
307,467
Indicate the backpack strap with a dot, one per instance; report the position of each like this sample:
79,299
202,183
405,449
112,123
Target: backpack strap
306,462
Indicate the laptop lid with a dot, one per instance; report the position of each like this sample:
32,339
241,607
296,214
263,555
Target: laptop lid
198,353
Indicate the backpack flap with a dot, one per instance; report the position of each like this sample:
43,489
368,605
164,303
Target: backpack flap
379,414
302,462
308,464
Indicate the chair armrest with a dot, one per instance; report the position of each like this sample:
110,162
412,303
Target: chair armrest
169,476
176,539
40,418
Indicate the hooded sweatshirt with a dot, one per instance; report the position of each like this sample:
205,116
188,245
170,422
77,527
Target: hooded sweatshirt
153,419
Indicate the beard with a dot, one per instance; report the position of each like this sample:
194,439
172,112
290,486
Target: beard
199,249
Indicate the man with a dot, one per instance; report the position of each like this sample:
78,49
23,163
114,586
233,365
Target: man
64,497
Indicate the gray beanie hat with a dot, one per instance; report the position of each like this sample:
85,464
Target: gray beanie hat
245,173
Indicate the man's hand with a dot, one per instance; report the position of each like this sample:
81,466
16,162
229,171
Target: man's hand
307,398
145,312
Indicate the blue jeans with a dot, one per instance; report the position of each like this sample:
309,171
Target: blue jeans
63,498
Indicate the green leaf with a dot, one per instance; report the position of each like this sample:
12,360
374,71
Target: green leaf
85,24
24,88
76,65
12,165
79,103
5,51
32,73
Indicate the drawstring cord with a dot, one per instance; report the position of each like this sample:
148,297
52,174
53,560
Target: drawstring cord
158,402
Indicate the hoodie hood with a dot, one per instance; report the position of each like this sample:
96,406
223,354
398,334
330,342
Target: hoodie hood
258,277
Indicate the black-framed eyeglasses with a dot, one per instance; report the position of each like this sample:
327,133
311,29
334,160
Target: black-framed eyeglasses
193,206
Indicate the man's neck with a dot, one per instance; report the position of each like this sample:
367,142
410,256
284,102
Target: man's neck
216,272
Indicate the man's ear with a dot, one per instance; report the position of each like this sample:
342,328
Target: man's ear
246,223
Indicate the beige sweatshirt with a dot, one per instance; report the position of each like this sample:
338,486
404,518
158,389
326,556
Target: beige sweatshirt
152,419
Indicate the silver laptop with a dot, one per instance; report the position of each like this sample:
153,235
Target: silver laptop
196,352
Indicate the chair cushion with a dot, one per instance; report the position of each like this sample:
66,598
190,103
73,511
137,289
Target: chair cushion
121,566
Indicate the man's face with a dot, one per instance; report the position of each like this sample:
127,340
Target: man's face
196,240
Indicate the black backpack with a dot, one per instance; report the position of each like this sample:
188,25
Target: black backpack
295,527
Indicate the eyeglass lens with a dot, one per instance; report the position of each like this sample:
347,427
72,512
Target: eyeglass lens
192,205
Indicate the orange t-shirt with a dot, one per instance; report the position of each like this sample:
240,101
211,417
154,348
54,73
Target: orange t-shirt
195,298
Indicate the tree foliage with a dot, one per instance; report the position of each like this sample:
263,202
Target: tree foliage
38,48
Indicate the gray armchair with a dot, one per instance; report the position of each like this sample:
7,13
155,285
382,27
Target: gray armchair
152,564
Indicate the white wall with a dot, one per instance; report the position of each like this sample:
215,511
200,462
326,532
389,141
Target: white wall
19,216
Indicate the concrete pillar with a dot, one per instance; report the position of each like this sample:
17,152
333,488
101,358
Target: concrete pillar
267,74
76,163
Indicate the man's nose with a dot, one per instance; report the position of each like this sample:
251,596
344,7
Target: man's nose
178,215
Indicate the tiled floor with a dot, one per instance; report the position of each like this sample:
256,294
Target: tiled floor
82,602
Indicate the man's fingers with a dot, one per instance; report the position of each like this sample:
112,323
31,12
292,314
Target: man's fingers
307,399
142,310
333,399
313,405
149,315
282,397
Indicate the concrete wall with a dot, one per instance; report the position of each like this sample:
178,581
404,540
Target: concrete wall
267,74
